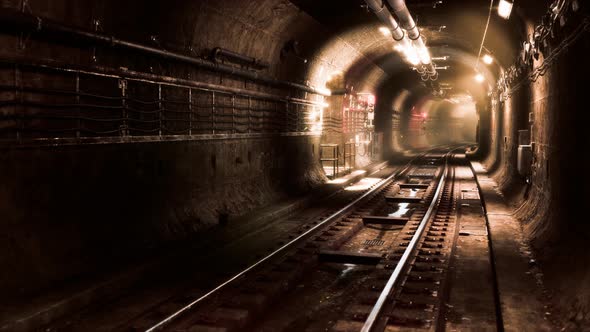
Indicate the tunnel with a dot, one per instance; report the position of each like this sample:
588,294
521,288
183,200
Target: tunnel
294,165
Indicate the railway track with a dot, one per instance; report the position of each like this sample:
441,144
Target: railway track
411,298
377,256
377,264
173,285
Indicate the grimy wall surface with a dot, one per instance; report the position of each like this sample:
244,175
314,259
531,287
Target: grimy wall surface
550,202
63,217
105,193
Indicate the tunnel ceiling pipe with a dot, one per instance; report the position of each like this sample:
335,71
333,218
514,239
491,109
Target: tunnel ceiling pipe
219,54
407,22
15,19
340,92
385,16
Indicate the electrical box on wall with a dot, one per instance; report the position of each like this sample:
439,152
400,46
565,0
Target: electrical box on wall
524,137
525,160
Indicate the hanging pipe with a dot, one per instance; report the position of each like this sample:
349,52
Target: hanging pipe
403,14
14,19
385,16
221,53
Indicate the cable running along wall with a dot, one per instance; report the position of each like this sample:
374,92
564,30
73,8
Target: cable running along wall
83,104
550,38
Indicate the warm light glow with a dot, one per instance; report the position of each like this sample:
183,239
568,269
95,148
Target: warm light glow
364,184
424,56
324,91
401,210
461,99
505,9
487,59
408,52
413,53
334,75
316,117
338,181
412,56
480,78
385,31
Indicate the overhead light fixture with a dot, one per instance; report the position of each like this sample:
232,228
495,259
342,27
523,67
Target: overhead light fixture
424,55
487,59
412,56
505,8
479,78
409,53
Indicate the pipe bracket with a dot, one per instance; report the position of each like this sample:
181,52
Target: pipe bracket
416,28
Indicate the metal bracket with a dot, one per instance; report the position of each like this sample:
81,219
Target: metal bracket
124,128
24,5
22,40
123,86
96,24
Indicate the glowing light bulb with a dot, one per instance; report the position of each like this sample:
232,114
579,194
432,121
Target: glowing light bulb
424,56
505,8
412,56
487,59
479,78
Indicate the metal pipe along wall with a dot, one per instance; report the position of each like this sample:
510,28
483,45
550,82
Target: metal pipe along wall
13,19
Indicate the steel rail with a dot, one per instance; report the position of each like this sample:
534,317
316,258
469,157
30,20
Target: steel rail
290,244
397,272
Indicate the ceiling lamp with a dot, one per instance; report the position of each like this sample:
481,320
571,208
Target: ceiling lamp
487,59
424,54
479,78
505,8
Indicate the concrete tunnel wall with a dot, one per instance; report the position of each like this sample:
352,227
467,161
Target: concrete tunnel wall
62,219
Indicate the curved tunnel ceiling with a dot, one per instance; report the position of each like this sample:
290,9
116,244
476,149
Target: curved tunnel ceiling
443,27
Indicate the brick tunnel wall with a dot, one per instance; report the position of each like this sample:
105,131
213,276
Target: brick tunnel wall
551,206
63,217
73,207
